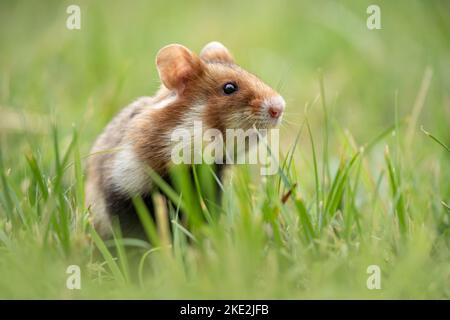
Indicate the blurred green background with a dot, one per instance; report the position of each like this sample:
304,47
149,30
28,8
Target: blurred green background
86,76
81,78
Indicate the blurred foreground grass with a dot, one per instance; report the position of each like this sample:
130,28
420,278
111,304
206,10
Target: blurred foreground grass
368,186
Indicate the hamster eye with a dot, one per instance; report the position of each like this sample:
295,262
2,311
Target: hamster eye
229,88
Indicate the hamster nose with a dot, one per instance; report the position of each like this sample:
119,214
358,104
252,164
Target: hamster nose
275,111
274,106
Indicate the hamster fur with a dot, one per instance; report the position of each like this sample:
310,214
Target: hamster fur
139,136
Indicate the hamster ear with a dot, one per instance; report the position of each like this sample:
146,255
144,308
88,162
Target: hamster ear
177,65
215,51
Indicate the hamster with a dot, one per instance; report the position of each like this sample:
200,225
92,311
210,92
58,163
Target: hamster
209,87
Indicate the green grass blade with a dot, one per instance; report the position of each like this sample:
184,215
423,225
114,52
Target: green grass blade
37,174
397,193
428,134
112,264
123,260
316,176
8,203
147,221
305,220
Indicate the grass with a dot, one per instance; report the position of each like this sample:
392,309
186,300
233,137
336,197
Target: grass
363,179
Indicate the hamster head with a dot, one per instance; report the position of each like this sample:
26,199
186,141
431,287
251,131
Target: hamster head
214,86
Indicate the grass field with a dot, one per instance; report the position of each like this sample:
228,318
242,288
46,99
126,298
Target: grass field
365,172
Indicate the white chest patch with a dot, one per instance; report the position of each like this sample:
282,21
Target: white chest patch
129,174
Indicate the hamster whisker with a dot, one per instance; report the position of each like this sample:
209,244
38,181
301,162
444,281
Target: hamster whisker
284,121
